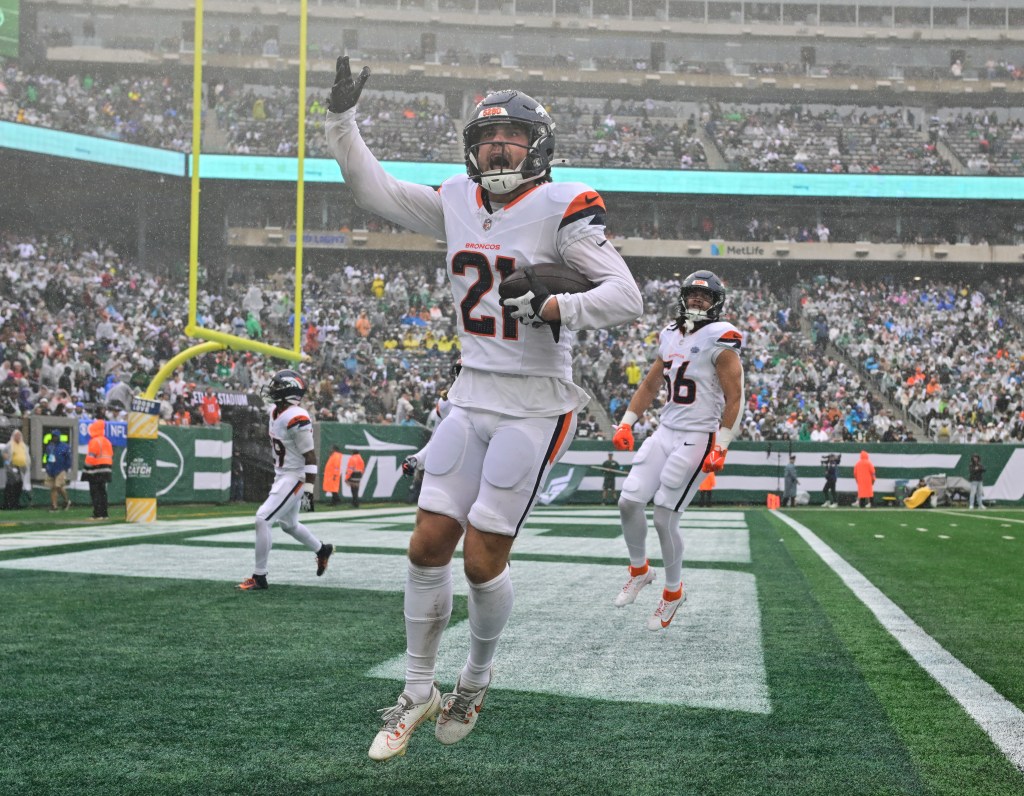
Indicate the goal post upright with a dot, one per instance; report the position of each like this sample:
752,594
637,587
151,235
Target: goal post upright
143,417
300,184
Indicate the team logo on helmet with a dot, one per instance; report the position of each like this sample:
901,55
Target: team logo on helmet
286,386
706,282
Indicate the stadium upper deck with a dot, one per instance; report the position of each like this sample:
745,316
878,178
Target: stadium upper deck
668,46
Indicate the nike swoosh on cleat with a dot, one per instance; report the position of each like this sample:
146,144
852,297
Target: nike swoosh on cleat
590,199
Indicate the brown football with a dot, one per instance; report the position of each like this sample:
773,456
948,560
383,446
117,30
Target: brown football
555,277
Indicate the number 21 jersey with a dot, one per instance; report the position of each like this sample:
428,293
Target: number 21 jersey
484,247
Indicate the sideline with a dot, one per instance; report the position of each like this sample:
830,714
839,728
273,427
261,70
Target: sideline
1001,720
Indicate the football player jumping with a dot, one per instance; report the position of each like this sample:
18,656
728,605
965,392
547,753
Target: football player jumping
514,405
698,363
291,442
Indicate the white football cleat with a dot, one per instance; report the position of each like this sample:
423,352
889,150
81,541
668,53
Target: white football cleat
627,595
665,612
399,722
459,712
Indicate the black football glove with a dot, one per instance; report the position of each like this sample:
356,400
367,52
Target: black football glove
409,466
345,91
307,499
540,295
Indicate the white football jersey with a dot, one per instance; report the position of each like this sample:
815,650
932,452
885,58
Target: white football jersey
510,367
291,437
695,399
485,247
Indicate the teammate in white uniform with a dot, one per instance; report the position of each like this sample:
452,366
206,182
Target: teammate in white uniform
698,363
514,405
291,441
412,466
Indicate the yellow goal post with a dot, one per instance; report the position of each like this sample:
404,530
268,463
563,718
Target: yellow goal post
216,340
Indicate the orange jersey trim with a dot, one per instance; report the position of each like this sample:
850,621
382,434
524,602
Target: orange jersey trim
587,200
566,418
521,196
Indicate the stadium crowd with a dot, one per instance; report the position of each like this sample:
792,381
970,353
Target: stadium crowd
256,119
859,141
81,327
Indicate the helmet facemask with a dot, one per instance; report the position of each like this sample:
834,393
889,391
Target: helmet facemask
502,177
510,107
711,286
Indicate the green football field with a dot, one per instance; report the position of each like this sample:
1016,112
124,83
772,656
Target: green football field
819,651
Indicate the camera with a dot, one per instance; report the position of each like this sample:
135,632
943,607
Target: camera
830,459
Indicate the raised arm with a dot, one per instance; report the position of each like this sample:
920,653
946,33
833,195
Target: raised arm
416,207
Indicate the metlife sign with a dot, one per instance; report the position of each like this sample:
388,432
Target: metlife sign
721,249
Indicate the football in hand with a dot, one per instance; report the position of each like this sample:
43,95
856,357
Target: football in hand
555,277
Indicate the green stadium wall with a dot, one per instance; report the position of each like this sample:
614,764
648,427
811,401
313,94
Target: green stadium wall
752,469
193,465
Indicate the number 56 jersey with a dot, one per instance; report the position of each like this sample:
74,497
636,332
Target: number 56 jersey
291,437
695,399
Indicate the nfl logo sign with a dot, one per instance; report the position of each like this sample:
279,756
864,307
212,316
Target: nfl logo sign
487,224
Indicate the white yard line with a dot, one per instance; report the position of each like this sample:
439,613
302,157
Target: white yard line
1001,720
977,514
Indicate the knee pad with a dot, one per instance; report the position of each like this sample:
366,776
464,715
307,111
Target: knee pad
440,502
630,508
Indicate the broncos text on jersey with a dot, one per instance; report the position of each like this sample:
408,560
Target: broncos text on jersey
291,437
695,400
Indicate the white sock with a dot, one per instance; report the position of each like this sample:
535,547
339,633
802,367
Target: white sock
302,534
263,544
428,607
667,524
634,530
490,605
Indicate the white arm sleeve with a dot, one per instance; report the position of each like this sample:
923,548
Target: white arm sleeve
416,207
615,300
726,436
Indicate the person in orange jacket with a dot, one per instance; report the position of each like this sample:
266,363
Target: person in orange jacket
332,475
99,467
354,475
864,475
210,408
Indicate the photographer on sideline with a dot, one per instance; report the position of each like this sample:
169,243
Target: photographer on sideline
975,473
830,462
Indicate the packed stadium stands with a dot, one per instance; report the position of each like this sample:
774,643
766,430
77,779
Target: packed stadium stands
943,358
261,120
922,89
